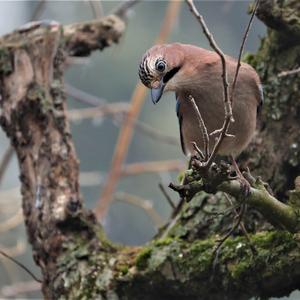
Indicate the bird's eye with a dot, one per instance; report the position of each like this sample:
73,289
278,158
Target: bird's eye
160,65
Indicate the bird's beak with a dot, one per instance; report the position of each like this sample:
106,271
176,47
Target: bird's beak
157,92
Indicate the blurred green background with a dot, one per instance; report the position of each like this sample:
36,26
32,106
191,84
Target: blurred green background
112,75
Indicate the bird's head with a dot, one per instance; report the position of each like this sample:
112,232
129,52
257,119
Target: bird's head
159,67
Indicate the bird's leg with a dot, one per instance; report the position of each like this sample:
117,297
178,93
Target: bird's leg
243,181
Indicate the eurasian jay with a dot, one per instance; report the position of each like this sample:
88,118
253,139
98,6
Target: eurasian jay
190,70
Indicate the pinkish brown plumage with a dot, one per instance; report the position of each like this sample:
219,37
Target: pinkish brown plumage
190,70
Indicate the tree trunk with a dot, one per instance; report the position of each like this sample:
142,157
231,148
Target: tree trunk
275,153
76,259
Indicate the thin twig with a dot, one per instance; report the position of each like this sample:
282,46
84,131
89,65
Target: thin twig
18,249
97,8
8,154
155,134
198,150
245,36
98,112
242,225
12,222
217,249
38,10
21,266
146,205
19,288
168,198
112,110
226,99
148,130
124,7
152,167
82,96
126,131
203,130
134,169
290,72
213,44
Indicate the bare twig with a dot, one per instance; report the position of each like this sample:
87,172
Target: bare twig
82,96
213,44
155,134
111,109
242,226
38,10
152,167
96,178
203,130
98,112
220,242
245,36
12,222
8,154
198,150
290,72
124,7
126,131
146,205
10,199
18,249
169,200
97,8
21,266
227,103
18,288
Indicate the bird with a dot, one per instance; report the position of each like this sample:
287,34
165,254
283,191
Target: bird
190,70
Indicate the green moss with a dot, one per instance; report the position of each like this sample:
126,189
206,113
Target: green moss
269,240
124,270
6,65
163,242
142,258
240,269
198,247
38,93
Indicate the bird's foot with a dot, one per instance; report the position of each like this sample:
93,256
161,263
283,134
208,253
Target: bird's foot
245,186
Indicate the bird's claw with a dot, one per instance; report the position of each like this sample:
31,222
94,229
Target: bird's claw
245,186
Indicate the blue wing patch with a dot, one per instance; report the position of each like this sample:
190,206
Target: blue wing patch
177,107
179,116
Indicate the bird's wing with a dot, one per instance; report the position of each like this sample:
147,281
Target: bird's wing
261,102
180,118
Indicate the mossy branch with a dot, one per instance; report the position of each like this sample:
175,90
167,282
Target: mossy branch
279,214
276,212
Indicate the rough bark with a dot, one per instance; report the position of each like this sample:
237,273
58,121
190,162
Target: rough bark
34,117
275,153
76,260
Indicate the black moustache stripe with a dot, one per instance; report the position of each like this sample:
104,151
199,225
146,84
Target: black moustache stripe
170,74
